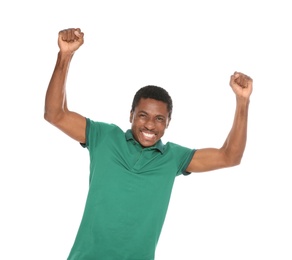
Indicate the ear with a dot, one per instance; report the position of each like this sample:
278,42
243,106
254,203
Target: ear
168,122
131,117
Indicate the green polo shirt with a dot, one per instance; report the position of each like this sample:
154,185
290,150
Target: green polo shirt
129,192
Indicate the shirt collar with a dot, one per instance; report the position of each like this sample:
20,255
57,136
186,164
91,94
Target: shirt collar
158,145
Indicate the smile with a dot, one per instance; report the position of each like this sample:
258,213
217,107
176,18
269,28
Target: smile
148,136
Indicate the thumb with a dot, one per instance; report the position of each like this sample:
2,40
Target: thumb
79,34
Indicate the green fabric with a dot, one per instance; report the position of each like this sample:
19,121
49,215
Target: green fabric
129,192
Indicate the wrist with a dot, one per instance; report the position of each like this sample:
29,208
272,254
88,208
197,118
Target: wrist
65,54
64,59
244,101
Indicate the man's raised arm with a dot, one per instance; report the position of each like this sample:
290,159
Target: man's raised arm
231,152
56,111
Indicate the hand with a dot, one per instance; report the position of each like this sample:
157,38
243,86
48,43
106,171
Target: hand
70,40
241,84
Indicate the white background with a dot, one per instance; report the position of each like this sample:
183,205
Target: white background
188,47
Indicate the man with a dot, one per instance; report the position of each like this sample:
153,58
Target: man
132,173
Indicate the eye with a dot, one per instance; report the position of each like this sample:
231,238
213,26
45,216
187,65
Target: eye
142,115
160,119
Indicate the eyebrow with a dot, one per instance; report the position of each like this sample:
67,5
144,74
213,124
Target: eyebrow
158,115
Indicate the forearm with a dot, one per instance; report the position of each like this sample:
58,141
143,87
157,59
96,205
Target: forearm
235,143
55,101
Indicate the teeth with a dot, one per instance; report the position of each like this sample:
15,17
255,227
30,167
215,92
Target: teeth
148,135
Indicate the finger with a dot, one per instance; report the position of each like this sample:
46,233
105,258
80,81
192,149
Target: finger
62,35
78,34
67,35
240,81
239,74
234,77
71,35
243,81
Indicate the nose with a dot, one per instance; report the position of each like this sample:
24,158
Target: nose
150,124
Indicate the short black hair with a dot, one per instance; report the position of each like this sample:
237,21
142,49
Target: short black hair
154,92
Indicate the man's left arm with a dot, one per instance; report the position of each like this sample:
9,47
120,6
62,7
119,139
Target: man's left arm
231,152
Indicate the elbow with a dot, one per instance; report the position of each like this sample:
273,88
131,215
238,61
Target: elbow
234,161
51,117
46,117
232,157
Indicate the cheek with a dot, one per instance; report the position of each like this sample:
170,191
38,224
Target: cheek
161,128
135,121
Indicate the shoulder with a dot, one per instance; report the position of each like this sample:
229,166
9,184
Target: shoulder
97,126
178,150
175,147
97,132
178,156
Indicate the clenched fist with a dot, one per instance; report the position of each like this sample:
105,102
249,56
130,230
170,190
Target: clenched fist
70,40
241,84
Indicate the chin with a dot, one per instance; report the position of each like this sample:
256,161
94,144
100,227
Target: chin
148,144
145,143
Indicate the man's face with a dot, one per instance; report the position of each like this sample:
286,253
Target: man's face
149,121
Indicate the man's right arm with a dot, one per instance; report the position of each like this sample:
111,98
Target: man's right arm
56,111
